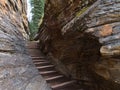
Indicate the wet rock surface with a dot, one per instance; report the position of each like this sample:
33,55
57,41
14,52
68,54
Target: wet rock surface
17,71
86,46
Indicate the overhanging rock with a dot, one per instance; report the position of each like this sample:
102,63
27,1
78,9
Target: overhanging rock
84,46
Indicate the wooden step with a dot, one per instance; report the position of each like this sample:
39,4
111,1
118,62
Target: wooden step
47,72
51,75
46,68
58,82
54,77
39,63
63,84
43,64
40,67
73,86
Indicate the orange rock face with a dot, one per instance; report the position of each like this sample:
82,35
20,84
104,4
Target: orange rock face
106,30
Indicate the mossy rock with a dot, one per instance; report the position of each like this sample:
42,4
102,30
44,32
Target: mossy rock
81,11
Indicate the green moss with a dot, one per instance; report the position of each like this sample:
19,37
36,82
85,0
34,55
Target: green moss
81,11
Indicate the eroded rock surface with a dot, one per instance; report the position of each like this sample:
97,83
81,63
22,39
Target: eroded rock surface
17,71
84,45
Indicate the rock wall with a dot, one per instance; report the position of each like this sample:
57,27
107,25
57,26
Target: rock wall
103,22
84,44
17,71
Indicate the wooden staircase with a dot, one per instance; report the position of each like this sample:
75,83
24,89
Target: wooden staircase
56,80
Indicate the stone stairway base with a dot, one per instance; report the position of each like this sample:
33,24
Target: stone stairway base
56,80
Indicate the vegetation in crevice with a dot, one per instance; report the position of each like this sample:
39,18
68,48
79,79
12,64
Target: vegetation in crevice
81,11
85,4
38,14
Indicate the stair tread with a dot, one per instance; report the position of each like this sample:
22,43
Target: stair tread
62,84
44,64
51,74
68,87
39,67
59,81
54,77
38,63
47,72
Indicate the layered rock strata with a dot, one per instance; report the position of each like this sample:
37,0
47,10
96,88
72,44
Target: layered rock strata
17,71
84,44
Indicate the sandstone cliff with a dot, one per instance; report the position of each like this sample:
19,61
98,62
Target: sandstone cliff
17,71
84,42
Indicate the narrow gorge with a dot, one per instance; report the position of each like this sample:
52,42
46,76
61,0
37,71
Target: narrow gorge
17,71
77,46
